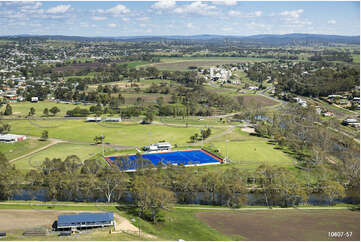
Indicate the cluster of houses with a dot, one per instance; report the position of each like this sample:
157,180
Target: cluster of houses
343,101
220,74
14,92
323,112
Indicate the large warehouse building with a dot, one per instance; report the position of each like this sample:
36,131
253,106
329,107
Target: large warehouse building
85,220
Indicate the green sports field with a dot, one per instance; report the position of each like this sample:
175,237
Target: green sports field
251,154
126,134
249,151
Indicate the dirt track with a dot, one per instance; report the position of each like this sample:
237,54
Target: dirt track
285,225
26,219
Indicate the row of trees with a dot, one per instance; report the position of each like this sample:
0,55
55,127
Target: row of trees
54,110
313,142
205,133
154,189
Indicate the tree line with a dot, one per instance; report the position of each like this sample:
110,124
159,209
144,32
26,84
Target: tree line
152,188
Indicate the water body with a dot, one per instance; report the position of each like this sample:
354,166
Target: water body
199,198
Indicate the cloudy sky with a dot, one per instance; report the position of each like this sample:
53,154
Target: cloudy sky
168,17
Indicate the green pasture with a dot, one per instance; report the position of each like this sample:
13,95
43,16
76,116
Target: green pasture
14,150
249,151
356,58
133,64
21,109
175,59
193,120
61,150
183,63
251,154
127,134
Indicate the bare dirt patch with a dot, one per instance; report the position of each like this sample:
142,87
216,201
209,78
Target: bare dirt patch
123,225
15,220
278,225
248,130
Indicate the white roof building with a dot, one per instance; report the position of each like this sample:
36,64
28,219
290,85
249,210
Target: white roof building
11,138
113,120
93,119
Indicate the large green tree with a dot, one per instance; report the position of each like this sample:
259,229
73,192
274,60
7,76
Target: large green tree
10,179
8,110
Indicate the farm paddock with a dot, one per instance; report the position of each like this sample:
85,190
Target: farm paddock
276,225
26,219
17,221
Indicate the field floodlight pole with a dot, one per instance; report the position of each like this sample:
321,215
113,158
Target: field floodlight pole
202,137
227,150
102,136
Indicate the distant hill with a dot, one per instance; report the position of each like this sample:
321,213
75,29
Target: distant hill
265,39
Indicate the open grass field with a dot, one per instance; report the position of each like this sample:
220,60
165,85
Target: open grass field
245,150
183,224
193,120
149,98
133,64
248,151
298,225
251,154
21,109
183,64
61,150
127,134
14,150
356,58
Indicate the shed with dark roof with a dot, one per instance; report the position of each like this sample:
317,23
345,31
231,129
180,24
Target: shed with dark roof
85,220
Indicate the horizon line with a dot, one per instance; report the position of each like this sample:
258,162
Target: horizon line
169,35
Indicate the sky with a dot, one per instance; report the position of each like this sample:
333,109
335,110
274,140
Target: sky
168,17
